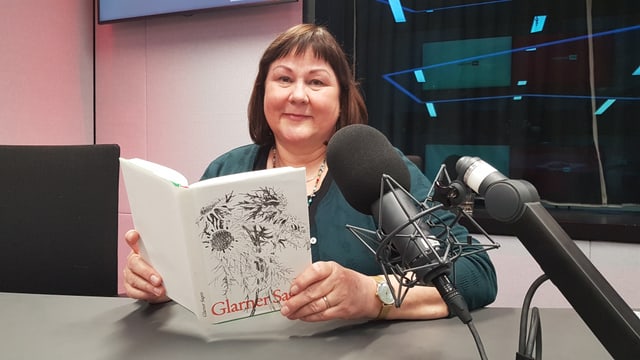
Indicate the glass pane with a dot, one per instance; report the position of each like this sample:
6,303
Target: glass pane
547,91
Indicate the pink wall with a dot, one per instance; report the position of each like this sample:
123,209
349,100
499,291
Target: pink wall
46,72
174,90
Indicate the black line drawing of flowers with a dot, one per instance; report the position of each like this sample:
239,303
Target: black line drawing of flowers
244,235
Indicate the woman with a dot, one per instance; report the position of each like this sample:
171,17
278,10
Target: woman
304,92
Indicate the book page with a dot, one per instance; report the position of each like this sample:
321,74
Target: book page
157,215
159,170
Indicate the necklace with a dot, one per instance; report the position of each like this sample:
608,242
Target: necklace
318,176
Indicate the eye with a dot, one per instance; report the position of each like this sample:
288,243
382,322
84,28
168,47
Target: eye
284,79
316,83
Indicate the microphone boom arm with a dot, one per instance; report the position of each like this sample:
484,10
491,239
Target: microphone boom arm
613,322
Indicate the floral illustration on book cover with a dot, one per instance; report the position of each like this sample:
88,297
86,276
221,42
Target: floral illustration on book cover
247,237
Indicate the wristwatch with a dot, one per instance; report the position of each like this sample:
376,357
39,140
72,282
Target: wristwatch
384,294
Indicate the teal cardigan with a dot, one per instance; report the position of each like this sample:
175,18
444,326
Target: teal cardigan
474,275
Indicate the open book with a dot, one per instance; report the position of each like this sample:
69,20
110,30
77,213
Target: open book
226,247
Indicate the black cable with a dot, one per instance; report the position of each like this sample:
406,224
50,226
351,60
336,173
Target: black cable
476,338
536,328
458,306
532,337
534,331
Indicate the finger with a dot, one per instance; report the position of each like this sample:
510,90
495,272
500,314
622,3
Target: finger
307,290
311,275
328,313
148,297
139,288
305,302
321,316
315,306
326,302
132,237
139,267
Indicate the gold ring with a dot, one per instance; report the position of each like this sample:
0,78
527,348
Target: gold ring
326,301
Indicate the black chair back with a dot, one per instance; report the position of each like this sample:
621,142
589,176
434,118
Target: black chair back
59,219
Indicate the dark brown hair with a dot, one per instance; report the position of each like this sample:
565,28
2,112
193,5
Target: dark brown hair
297,40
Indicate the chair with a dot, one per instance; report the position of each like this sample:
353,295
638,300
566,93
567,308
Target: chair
59,219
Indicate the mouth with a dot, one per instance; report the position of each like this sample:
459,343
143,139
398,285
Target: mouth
298,117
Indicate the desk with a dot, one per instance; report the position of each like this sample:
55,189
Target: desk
76,327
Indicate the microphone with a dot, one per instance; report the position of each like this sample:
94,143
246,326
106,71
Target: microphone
365,166
517,203
505,201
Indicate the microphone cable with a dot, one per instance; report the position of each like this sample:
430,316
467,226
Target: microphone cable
458,306
478,341
532,337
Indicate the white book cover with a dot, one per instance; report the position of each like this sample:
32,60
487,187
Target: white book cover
226,247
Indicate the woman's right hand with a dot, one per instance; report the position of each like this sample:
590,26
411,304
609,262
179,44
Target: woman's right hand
141,280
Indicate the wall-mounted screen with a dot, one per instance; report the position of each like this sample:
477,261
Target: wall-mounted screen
468,63
121,10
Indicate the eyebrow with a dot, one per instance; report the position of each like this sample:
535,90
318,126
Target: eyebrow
312,71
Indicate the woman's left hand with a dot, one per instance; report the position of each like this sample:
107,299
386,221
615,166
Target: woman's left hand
327,290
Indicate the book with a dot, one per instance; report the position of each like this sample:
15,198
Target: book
227,247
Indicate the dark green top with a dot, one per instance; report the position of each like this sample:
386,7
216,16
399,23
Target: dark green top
329,212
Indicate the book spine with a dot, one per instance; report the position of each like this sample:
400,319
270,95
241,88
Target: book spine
198,279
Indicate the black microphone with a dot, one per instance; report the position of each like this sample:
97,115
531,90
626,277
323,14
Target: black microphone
360,158
517,203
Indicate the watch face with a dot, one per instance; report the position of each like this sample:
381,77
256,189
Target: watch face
384,293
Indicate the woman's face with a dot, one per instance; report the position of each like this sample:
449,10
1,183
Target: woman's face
302,100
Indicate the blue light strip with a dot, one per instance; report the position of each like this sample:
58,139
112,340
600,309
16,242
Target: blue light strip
621,98
414,11
523,96
481,98
605,106
431,109
609,101
465,5
401,88
397,11
637,72
419,76
538,23
522,82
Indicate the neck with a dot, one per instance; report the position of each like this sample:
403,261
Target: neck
315,169
310,159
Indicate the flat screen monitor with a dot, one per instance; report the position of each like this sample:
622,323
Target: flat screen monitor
120,10
466,64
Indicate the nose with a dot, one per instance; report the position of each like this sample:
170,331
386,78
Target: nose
299,93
